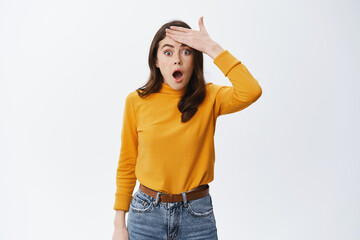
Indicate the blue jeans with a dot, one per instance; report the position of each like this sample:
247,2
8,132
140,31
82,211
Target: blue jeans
190,220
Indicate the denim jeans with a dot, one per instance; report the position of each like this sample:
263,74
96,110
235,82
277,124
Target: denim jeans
190,220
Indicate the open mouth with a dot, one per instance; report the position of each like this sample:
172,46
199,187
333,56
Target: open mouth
178,75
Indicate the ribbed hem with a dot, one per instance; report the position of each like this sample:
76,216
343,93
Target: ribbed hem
122,202
226,61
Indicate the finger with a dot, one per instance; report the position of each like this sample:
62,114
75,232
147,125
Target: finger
181,29
177,38
201,24
177,33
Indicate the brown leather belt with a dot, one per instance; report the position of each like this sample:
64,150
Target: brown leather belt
196,193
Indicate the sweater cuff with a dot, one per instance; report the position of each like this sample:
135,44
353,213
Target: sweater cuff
122,202
226,61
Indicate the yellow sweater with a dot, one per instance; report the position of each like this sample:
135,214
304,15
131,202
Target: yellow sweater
167,155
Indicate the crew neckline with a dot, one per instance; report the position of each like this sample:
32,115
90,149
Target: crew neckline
169,90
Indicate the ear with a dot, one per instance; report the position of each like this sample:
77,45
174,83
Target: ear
157,63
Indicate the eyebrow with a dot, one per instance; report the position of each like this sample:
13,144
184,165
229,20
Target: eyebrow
168,45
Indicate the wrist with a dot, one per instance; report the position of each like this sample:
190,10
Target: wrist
119,221
119,225
214,50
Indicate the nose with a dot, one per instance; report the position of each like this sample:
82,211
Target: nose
177,59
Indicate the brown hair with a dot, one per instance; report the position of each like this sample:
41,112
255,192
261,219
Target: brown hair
195,90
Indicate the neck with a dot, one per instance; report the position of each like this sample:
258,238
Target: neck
167,89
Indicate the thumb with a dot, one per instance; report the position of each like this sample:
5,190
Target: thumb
201,24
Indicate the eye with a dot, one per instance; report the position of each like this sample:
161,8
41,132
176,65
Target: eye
167,52
188,51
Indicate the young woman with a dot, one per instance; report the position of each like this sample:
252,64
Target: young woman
167,139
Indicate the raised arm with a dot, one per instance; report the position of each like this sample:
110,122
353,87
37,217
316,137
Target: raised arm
245,89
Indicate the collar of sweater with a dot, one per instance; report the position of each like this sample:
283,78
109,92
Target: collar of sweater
169,90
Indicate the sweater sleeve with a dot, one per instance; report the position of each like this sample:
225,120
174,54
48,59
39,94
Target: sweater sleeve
245,88
125,175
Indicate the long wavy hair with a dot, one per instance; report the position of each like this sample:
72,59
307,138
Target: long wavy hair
195,90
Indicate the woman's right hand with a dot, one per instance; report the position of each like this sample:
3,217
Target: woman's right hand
120,233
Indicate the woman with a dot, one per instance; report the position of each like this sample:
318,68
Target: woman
167,139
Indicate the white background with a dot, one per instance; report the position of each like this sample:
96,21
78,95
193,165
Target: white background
287,167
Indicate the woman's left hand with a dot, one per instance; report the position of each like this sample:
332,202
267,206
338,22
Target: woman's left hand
199,40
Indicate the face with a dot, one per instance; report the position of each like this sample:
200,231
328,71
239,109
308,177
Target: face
172,56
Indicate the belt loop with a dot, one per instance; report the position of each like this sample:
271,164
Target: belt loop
157,198
185,199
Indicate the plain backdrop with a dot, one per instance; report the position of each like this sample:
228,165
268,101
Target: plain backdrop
287,167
